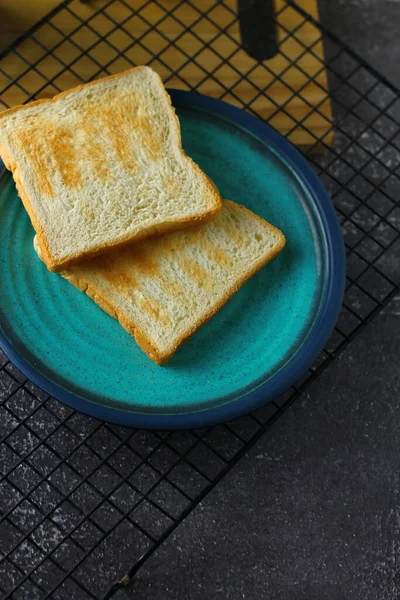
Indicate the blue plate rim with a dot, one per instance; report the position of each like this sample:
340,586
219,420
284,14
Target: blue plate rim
311,348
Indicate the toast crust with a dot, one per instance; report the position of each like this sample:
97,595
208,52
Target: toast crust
131,327
54,264
141,339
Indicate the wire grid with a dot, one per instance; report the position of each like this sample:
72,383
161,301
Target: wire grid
84,503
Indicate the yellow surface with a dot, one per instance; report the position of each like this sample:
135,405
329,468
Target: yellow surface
16,16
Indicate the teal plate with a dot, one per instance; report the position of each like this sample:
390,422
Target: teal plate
266,336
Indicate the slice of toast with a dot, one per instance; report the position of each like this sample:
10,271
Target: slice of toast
162,290
101,165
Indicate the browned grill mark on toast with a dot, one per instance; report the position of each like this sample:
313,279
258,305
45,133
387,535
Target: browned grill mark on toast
116,125
65,155
144,261
216,253
27,139
152,140
172,288
235,233
92,151
194,237
95,156
114,272
152,308
196,272
115,267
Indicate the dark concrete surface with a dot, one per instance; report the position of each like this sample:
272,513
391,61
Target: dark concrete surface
313,511
371,27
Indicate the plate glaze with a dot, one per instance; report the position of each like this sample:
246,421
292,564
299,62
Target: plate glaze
252,350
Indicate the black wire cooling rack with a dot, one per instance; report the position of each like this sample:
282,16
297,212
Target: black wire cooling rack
83,503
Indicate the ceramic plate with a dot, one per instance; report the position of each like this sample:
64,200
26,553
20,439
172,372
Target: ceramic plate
267,335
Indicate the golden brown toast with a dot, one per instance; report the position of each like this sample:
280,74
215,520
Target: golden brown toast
163,289
102,165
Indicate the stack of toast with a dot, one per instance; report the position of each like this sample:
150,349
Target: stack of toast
124,214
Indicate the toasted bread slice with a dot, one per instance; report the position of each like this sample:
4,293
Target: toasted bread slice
162,290
101,165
